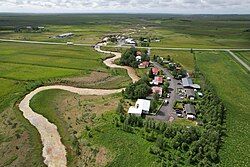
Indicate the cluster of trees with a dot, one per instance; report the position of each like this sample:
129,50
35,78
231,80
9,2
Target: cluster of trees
175,144
145,41
137,90
129,58
29,29
178,74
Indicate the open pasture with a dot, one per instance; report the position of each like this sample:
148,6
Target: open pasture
231,82
245,56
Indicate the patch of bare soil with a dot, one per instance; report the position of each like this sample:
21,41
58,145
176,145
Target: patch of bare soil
94,77
102,157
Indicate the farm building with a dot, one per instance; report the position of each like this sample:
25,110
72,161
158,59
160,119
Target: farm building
130,41
190,111
157,90
190,94
188,83
142,106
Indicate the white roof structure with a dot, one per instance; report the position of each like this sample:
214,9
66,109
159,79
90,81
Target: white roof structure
141,106
138,58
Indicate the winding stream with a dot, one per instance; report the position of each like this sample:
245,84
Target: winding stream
54,152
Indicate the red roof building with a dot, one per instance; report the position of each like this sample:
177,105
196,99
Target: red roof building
158,80
157,90
155,71
144,64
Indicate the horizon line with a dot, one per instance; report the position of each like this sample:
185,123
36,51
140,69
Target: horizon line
124,13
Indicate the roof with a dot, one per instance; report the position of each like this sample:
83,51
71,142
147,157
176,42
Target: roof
138,53
134,110
158,79
157,89
189,108
195,86
155,70
146,63
187,82
140,106
143,104
190,92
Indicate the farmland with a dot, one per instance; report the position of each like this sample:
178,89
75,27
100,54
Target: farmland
245,56
231,82
23,67
87,123
173,31
185,58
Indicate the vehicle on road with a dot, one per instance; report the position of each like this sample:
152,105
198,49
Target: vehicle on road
70,43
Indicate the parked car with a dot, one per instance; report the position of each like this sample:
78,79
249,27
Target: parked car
168,95
168,79
179,113
166,101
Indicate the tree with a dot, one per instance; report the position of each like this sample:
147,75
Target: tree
141,91
165,87
120,109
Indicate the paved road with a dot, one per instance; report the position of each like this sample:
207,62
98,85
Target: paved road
167,112
239,60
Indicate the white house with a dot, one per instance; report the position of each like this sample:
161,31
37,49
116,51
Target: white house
141,107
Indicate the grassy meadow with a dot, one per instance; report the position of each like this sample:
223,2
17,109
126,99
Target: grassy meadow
79,116
24,67
185,58
231,82
196,31
245,56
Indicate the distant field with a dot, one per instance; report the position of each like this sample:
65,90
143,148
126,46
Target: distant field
231,82
185,58
245,56
196,31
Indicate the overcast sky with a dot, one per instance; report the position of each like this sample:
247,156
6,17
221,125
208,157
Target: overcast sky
127,6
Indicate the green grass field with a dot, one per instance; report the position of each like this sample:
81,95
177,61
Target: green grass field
24,67
185,58
231,82
245,56
124,149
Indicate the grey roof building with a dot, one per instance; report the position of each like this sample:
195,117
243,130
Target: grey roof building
189,108
188,83
190,93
